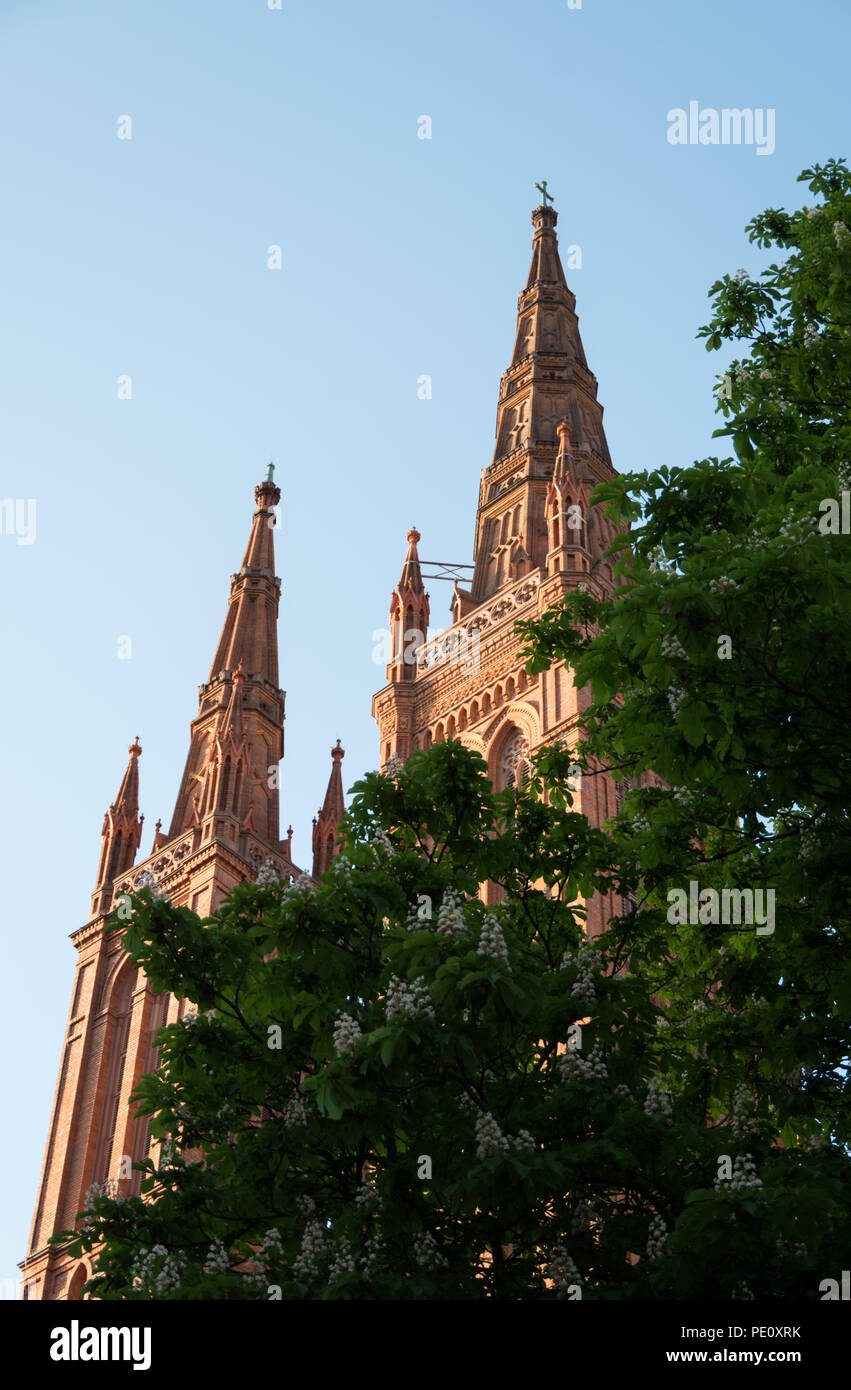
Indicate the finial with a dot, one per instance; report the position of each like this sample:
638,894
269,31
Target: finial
135,748
270,473
546,197
563,432
338,752
413,536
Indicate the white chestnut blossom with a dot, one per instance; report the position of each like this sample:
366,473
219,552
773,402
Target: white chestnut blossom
657,562
492,942
561,1271
343,1261
743,1125
145,1274
373,1250
489,1137
576,1067
381,842
412,999
427,1252
673,647
295,1114
314,1245
676,696
450,917
658,1101
218,1259
272,1247
744,1179
808,845
347,1031
583,989
267,873
657,1234
343,869
366,1195
394,767
795,528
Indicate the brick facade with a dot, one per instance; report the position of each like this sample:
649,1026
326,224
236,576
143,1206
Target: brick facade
535,539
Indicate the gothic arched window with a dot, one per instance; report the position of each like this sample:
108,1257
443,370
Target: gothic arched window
158,1019
513,766
78,1279
121,1011
622,791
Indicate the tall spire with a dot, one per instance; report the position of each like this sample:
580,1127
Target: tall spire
231,771
548,380
409,614
328,819
122,825
250,633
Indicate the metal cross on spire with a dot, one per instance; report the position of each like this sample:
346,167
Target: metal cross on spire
542,189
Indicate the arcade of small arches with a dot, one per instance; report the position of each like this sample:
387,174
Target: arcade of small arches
472,712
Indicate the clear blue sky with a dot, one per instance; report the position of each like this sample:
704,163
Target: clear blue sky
401,256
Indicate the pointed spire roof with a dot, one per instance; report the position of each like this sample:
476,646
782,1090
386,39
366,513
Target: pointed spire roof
545,267
249,635
326,822
411,579
548,358
127,800
335,802
122,825
241,708
409,612
410,591
547,381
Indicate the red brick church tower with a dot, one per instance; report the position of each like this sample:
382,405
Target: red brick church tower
225,826
536,538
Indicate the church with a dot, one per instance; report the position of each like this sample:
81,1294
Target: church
536,537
